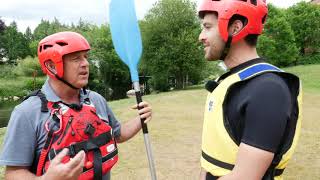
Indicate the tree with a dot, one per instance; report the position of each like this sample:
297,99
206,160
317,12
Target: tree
2,29
170,31
15,44
278,41
305,22
42,30
2,26
28,34
113,78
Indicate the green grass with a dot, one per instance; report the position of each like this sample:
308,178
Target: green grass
310,76
176,127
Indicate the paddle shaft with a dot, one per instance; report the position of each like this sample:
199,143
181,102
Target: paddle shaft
144,126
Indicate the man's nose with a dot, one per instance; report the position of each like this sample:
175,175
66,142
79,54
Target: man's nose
84,61
201,36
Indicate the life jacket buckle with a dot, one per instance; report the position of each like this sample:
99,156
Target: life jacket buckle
90,130
72,150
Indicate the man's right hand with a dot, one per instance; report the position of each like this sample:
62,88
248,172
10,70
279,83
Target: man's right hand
68,171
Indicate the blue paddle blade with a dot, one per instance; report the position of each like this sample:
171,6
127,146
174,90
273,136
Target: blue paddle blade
125,34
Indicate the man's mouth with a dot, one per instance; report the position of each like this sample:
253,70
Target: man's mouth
83,73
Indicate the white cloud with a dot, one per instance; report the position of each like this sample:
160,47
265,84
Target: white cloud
29,13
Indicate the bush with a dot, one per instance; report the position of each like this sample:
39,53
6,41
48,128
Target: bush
7,71
311,59
32,85
160,83
26,67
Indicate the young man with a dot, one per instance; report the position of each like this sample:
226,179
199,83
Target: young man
65,131
252,115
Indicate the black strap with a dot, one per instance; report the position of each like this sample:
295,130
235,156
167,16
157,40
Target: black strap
49,139
272,172
226,47
278,172
97,164
105,158
44,101
217,162
66,82
209,176
88,145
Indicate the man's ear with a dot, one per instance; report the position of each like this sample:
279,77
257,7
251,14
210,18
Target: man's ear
235,27
50,67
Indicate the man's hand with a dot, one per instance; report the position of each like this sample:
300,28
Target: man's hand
132,127
145,111
69,171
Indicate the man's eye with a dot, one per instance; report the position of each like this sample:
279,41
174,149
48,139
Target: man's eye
76,58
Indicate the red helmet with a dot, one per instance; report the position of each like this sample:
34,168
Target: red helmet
55,46
255,11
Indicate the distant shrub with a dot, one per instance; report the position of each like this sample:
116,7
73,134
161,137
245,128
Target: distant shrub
311,59
32,85
6,71
27,67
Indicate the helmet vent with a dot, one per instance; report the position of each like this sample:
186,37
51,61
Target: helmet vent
254,2
264,19
61,43
46,46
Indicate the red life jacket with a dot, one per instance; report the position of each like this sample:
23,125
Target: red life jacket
80,128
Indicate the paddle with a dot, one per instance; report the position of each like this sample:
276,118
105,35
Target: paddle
126,39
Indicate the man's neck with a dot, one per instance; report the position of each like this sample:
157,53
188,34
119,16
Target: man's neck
66,93
240,53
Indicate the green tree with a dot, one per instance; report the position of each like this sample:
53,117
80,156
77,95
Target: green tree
46,28
2,29
28,34
305,22
15,44
170,31
278,41
112,79
2,26
42,30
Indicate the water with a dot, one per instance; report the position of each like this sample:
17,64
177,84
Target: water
5,110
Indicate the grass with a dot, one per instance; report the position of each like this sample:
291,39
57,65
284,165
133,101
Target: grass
175,133
309,74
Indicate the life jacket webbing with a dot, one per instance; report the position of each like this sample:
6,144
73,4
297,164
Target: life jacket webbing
216,162
88,145
44,101
44,152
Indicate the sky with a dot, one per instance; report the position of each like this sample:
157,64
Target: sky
30,12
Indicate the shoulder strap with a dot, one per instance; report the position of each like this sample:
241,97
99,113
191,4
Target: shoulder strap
44,101
257,69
